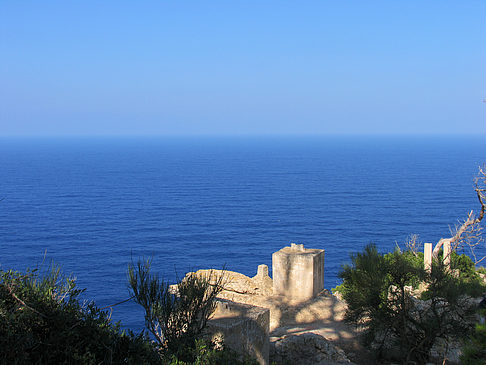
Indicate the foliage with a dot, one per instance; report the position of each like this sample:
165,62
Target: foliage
468,234
174,319
464,264
481,270
378,290
205,353
474,353
43,322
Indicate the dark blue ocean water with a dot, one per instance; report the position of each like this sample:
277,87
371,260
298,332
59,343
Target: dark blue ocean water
95,204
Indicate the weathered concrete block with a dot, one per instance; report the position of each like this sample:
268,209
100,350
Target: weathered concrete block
298,272
447,254
243,328
428,256
262,271
307,349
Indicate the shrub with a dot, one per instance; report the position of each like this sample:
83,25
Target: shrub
474,353
377,290
43,322
176,320
205,353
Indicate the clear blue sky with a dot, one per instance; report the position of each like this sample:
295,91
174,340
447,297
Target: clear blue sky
242,67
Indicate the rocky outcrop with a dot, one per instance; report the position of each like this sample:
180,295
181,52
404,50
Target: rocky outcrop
243,328
313,324
306,349
236,283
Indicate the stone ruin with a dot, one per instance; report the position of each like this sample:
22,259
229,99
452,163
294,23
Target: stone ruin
298,274
428,254
243,328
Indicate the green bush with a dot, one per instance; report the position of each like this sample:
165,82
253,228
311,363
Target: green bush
43,322
177,317
463,265
205,353
378,291
176,320
474,353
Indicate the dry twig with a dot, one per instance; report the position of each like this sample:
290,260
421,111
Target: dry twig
468,235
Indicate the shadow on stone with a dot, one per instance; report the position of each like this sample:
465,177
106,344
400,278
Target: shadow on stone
258,313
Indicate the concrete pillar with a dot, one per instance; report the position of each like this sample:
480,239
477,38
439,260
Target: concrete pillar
447,254
428,257
262,271
298,272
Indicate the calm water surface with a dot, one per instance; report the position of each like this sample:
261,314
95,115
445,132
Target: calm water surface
93,205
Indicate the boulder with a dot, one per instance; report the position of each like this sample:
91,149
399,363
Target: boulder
306,349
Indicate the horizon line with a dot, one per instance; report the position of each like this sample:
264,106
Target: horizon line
242,135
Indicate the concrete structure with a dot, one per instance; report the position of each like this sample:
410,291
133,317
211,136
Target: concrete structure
243,328
428,257
428,254
262,272
447,254
298,272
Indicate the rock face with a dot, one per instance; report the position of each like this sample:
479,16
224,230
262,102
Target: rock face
306,349
447,350
252,309
235,283
243,328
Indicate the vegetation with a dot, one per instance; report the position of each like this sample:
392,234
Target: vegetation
42,321
381,292
467,235
474,353
176,318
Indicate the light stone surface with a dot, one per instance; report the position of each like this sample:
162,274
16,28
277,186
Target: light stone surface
298,272
235,284
243,328
307,349
323,314
262,271
447,254
428,256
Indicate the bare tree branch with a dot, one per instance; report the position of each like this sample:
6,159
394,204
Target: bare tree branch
413,244
467,235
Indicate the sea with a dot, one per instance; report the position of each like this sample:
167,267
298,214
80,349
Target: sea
95,205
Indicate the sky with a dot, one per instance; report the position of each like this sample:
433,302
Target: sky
242,67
